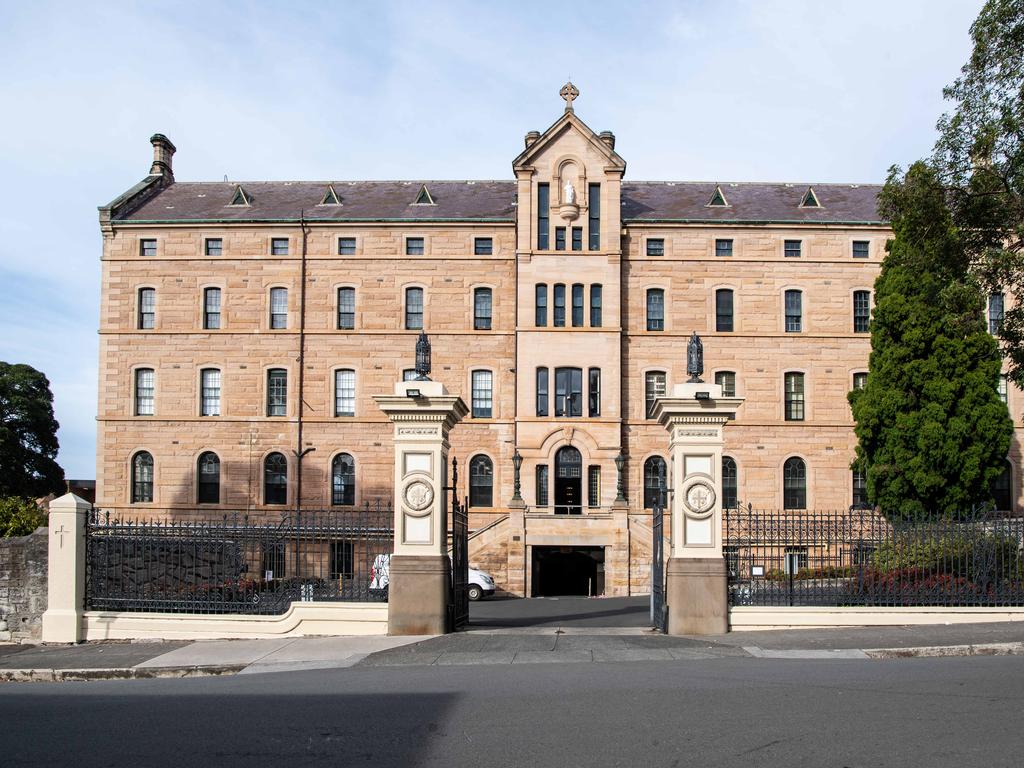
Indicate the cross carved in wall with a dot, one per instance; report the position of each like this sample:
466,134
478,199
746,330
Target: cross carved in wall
60,532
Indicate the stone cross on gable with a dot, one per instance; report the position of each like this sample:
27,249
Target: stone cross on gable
569,92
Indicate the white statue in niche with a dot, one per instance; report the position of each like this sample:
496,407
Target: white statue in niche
570,193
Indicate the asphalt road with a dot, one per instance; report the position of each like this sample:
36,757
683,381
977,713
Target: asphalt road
961,712
508,612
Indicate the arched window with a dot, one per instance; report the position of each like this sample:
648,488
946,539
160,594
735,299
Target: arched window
861,311
414,309
275,479
655,475
142,477
1002,489
794,311
147,308
794,484
481,482
730,483
343,479
482,309
208,478
723,310
559,314
655,309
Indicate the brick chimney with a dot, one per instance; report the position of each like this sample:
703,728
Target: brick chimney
163,152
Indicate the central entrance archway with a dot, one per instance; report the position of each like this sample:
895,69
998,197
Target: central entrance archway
568,481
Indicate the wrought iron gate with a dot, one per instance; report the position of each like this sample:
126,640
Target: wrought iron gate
458,602
659,616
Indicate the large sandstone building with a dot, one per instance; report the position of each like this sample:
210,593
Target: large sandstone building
246,324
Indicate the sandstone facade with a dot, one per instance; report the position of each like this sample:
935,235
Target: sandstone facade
384,238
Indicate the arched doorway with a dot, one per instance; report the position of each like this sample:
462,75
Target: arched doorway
568,481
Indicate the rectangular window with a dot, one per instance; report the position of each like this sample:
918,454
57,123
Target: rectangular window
559,238
794,558
860,380
147,309
346,308
995,313
577,238
543,212
345,393
861,311
568,392
655,246
654,387
542,391
414,309
483,246
594,217
145,392
559,316
723,310
791,249
860,249
482,309
860,488
342,560
483,394
278,308
414,246
409,374
542,485
272,561
794,311
593,486
723,247
577,306
595,306
346,246
794,397
214,246
541,316
279,246
1002,387
727,380
209,402
147,247
655,309
211,309
594,403
277,392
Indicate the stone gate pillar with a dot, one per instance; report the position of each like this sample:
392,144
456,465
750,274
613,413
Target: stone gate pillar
65,587
423,413
696,587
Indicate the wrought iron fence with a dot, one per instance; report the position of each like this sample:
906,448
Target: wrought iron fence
238,564
854,557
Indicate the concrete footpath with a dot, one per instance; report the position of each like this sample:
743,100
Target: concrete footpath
520,645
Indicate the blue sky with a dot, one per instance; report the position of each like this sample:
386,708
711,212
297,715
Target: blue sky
720,91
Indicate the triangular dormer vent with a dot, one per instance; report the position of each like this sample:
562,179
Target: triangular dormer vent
330,196
810,199
240,197
424,197
718,199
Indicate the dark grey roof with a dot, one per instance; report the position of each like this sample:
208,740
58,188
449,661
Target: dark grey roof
749,202
360,201
495,201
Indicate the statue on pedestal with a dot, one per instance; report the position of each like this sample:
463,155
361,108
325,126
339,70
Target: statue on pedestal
695,359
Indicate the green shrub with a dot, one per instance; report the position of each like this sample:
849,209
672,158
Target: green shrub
19,517
964,554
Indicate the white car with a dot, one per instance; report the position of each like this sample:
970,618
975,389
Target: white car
481,584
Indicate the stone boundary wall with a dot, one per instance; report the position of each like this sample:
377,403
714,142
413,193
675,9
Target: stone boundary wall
23,568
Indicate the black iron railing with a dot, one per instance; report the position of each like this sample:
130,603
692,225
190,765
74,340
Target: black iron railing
238,564
854,557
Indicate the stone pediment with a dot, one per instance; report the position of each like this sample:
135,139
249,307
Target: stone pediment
568,125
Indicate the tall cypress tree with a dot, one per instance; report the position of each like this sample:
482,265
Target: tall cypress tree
932,431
